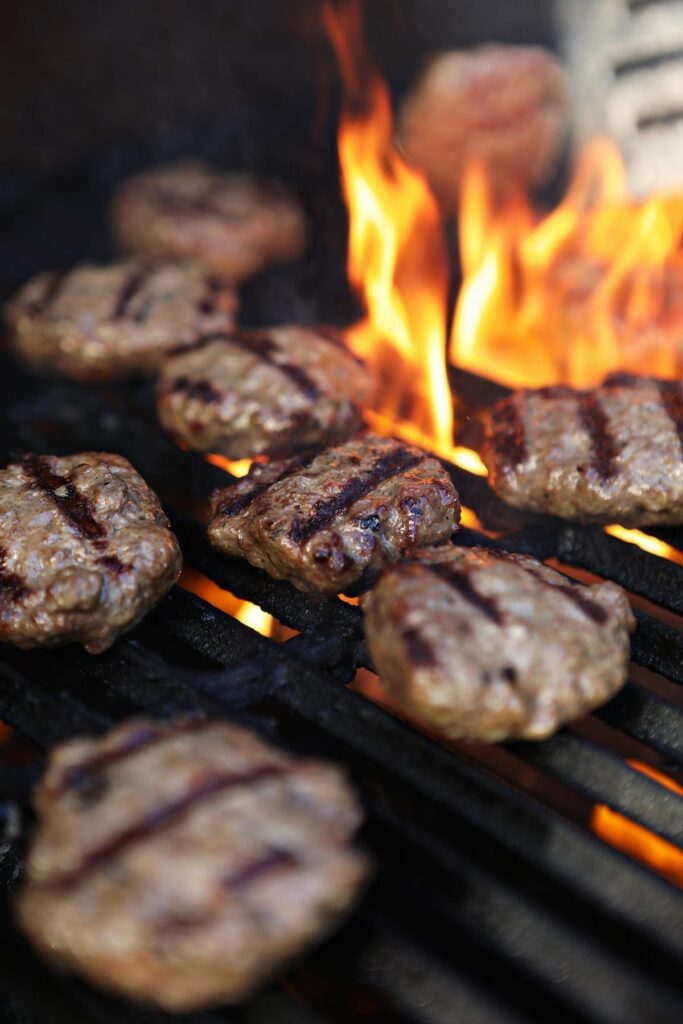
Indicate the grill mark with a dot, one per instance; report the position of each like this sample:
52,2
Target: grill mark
589,607
114,563
201,203
420,651
232,506
160,819
129,289
256,868
594,422
262,346
200,390
334,337
53,287
73,505
460,580
12,586
508,440
387,466
672,401
140,739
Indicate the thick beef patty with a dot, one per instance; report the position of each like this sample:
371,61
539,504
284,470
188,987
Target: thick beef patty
328,519
270,392
182,863
486,646
235,224
105,322
85,550
611,454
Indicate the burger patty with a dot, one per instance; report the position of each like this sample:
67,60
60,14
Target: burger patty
235,224
85,550
504,107
612,453
248,393
105,322
182,863
486,646
328,519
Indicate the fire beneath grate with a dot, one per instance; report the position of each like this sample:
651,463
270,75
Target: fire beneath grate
512,883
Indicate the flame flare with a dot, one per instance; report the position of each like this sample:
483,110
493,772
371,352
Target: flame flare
595,286
397,259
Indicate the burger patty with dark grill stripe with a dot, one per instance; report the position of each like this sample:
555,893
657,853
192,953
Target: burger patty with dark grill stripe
611,454
85,550
486,646
247,393
234,224
181,863
328,519
106,322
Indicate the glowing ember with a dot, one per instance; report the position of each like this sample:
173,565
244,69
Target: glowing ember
595,286
248,614
639,842
397,258
238,467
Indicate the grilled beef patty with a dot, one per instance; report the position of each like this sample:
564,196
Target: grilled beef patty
234,224
248,393
485,646
503,106
332,516
611,454
106,322
183,863
85,550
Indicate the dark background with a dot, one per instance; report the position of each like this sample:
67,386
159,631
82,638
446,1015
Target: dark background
93,90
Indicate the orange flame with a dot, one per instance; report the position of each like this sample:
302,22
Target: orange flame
635,840
248,614
397,259
595,286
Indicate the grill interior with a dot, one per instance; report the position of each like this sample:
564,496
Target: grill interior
492,898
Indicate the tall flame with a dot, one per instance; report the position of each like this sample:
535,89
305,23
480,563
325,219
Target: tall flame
595,286
397,259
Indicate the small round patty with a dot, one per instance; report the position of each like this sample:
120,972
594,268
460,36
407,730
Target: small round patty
328,519
272,392
85,550
182,863
610,454
486,646
99,323
235,224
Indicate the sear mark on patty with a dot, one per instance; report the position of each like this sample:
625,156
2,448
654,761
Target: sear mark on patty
12,586
201,390
594,422
460,580
74,506
264,348
508,439
420,651
387,466
233,505
271,860
53,287
129,289
211,786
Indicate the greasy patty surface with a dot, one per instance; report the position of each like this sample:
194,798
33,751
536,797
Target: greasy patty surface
85,550
182,863
235,224
486,646
273,392
105,322
614,453
331,517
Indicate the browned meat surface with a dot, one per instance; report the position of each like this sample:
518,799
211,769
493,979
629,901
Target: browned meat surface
234,224
505,106
85,550
611,454
277,391
105,322
183,863
328,519
485,646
